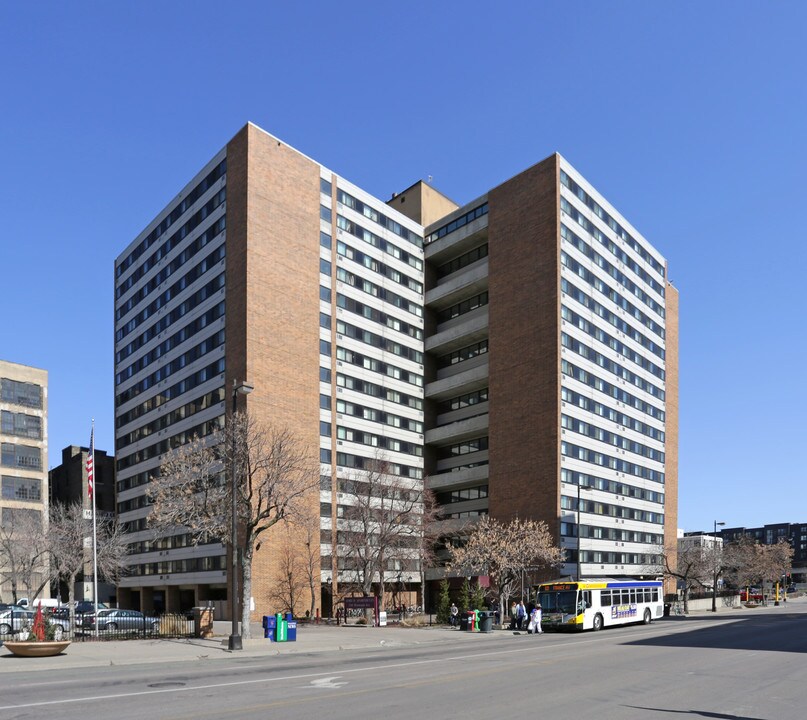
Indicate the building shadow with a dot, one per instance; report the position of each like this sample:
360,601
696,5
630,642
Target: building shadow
786,632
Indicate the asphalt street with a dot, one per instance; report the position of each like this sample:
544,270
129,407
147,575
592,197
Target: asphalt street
747,665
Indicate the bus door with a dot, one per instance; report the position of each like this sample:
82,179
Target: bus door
583,601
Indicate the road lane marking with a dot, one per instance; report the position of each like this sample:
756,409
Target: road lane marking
527,647
327,683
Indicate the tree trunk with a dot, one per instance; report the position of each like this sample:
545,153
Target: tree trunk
246,591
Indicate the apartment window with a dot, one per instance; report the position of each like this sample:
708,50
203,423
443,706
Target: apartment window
324,293
324,456
325,429
324,347
325,187
325,267
325,213
17,488
21,456
20,393
325,240
21,425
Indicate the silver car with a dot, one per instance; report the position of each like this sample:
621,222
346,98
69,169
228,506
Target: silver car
112,620
12,620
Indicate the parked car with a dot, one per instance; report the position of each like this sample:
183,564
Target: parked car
88,606
114,620
14,619
792,589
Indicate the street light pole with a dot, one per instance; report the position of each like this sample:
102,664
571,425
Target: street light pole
234,642
714,566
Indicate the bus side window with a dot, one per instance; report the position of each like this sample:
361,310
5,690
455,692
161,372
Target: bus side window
605,598
655,594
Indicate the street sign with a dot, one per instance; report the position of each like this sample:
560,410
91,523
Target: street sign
87,514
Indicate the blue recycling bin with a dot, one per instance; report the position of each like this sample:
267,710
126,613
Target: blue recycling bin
291,631
269,627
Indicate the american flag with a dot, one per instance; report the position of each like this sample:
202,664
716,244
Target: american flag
90,468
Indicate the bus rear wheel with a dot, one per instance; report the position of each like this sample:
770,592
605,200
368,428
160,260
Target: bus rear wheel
647,616
597,622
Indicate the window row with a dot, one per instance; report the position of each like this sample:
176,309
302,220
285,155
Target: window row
175,340
196,405
378,267
454,496
594,532
617,393
597,408
461,308
379,341
366,387
384,368
596,433
174,391
187,202
612,486
171,292
21,456
21,393
617,346
584,351
576,452
463,401
378,217
202,430
462,261
581,245
594,507
613,224
167,542
187,254
20,425
378,441
641,560
17,488
457,223
615,297
379,416
463,448
176,365
189,565
463,354
378,316
377,291
372,239
364,463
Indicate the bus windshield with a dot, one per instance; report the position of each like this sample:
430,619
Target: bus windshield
558,602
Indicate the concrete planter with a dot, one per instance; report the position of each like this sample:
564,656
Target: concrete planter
37,649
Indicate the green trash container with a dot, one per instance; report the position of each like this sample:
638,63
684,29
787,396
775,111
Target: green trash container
486,621
282,629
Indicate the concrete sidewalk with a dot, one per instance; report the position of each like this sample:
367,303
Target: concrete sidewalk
310,639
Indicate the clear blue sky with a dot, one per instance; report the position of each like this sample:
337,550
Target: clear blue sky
690,117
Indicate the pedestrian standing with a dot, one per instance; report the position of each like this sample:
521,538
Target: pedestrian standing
513,615
454,614
521,615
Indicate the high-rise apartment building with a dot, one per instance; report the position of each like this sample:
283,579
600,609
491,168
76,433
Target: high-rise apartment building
552,370
23,461
271,269
540,324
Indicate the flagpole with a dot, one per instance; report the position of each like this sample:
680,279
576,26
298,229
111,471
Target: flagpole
94,537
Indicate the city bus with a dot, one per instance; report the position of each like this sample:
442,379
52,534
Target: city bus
594,604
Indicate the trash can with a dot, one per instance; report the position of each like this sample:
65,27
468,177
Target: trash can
464,621
269,627
282,628
667,607
486,621
472,621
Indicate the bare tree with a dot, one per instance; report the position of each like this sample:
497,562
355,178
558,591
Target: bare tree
505,551
23,552
384,530
692,566
291,584
67,532
751,563
273,472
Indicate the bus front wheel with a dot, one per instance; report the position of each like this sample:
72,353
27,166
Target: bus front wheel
647,617
597,622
